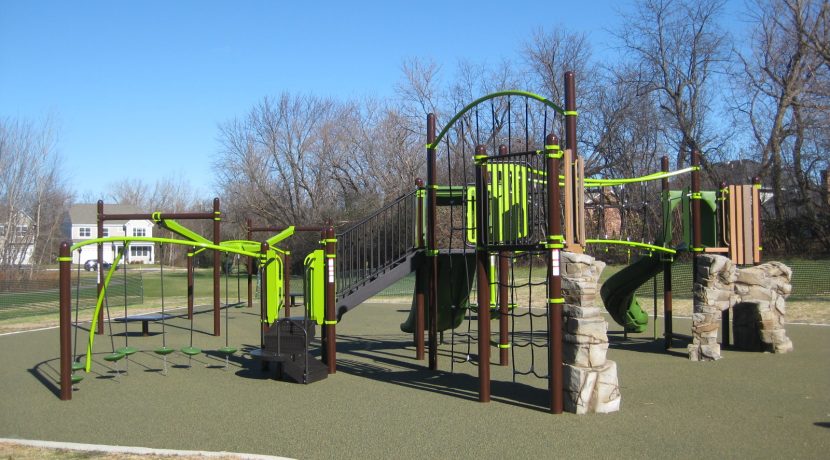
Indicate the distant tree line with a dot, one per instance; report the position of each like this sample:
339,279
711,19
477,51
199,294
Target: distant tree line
754,105
682,83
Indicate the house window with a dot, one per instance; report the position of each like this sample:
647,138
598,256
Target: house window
2,230
22,230
106,232
139,232
139,251
84,232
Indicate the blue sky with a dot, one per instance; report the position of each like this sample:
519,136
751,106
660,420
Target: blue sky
137,89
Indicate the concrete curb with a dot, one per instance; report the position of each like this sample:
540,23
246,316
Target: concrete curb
134,450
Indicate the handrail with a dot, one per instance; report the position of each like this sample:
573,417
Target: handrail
375,243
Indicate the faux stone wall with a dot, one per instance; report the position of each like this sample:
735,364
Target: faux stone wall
590,380
757,295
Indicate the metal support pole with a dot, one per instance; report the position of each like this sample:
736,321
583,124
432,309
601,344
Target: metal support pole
190,283
263,300
250,269
571,144
555,299
696,224
65,299
432,252
100,268
482,276
504,309
217,294
667,265
330,322
421,273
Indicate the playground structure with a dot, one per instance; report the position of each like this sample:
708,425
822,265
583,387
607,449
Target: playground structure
473,234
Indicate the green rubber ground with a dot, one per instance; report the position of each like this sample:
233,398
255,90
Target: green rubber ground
381,403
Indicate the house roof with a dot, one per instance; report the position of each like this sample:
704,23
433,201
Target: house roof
80,214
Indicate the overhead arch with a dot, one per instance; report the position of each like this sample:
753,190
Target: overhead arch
470,106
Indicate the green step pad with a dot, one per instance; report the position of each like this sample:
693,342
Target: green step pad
77,378
191,351
164,351
77,366
113,357
227,350
127,351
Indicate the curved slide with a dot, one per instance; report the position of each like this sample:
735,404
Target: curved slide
618,293
455,277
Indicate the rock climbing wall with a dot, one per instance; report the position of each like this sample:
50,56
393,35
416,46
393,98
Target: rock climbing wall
590,380
757,295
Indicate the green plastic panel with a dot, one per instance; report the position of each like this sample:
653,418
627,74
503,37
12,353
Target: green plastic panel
315,285
274,275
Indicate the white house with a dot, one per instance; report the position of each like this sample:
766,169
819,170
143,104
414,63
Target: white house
83,219
16,239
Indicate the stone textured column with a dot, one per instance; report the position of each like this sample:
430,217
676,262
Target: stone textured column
763,290
590,380
757,295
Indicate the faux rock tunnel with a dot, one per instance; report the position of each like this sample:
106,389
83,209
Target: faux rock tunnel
757,297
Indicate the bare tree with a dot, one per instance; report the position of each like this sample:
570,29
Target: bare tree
784,89
33,195
679,50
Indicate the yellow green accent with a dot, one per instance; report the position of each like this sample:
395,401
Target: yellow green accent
635,244
65,259
589,182
570,112
98,304
504,345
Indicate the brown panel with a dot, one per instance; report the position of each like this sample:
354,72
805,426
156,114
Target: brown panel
580,203
716,250
738,243
732,222
756,224
746,198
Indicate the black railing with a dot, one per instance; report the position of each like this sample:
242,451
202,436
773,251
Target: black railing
370,247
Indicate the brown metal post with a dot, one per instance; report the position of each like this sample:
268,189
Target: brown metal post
330,322
432,252
217,294
483,278
65,299
555,299
504,309
420,274
190,283
100,268
571,144
697,246
250,269
504,340
667,289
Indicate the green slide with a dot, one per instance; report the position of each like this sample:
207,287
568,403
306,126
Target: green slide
618,292
455,278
